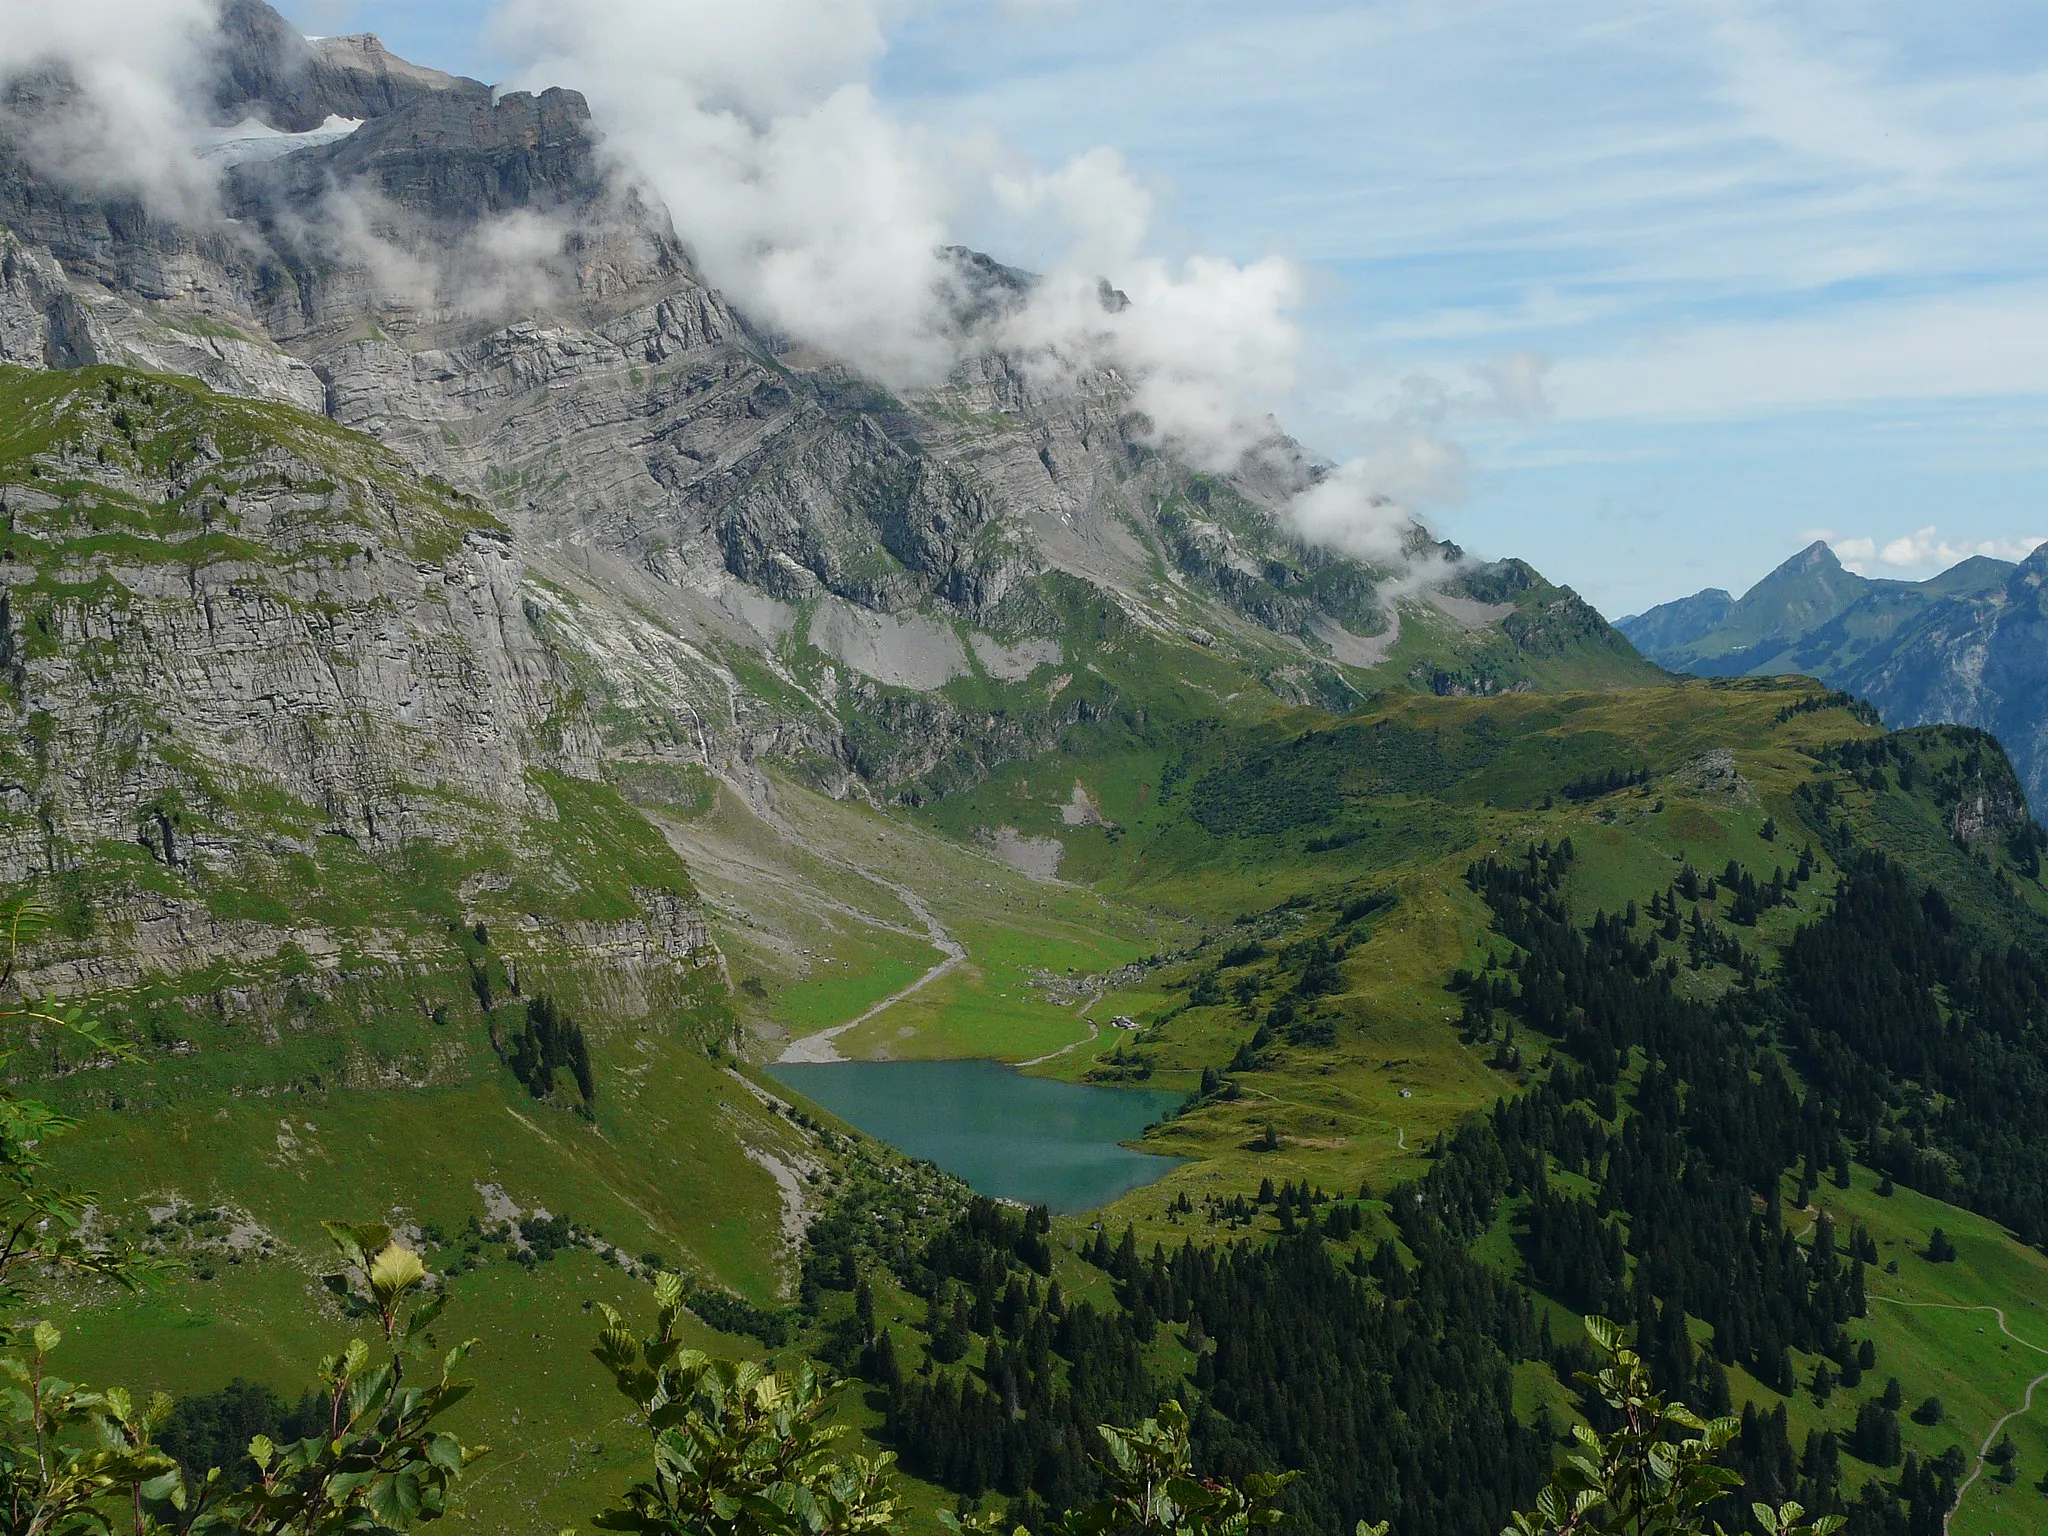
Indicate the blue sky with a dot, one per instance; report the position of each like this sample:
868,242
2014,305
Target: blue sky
1781,268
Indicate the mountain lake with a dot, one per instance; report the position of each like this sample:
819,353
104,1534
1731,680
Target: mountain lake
1004,1134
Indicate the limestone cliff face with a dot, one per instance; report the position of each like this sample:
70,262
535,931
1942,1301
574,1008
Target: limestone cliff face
200,597
736,546
47,321
266,70
247,658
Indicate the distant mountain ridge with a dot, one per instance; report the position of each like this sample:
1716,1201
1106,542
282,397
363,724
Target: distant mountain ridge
1968,647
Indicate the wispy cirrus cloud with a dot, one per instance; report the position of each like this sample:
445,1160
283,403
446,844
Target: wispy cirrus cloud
1714,215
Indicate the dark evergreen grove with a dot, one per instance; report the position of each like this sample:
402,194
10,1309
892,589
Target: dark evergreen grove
546,1041
1643,1176
1930,1041
214,1429
1388,1386
1690,1184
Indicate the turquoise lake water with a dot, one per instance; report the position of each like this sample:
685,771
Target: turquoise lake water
1005,1134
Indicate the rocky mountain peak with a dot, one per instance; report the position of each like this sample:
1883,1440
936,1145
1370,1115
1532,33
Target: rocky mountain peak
1965,647
454,157
266,70
1817,556
1814,568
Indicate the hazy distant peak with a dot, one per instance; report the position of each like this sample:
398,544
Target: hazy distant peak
1817,561
1819,555
1671,625
1977,575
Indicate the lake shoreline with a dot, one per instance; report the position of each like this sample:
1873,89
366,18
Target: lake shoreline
1034,1140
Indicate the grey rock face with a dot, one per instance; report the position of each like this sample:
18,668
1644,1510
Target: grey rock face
265,69
305,647
47,321
1974,659
463,281
455,158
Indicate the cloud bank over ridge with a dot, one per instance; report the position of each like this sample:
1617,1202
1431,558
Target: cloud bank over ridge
118,79
817,209
826,216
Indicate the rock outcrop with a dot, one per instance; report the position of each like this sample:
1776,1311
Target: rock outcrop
219,624
271,706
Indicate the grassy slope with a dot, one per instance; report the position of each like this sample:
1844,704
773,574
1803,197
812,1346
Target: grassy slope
808,902
821,877
663,1170
1368,1108
343,1067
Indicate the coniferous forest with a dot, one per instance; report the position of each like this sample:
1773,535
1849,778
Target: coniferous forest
1648,1171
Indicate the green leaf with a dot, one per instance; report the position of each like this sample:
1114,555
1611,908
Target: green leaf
393,1272
395,1499
356,1242
164,1485
427,1316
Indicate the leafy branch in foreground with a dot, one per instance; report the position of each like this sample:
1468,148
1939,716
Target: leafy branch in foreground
738,1450
741,1451
65,1450
71,1457
41,1223
1153,1487
382,1465
1655,1475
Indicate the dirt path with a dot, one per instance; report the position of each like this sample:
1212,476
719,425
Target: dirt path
1094,1034
822,1046
1997,1429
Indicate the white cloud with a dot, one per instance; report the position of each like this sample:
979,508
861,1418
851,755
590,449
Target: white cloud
1207,344
1606,175
1926,549
1922,551
130,127
799,196
824,216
